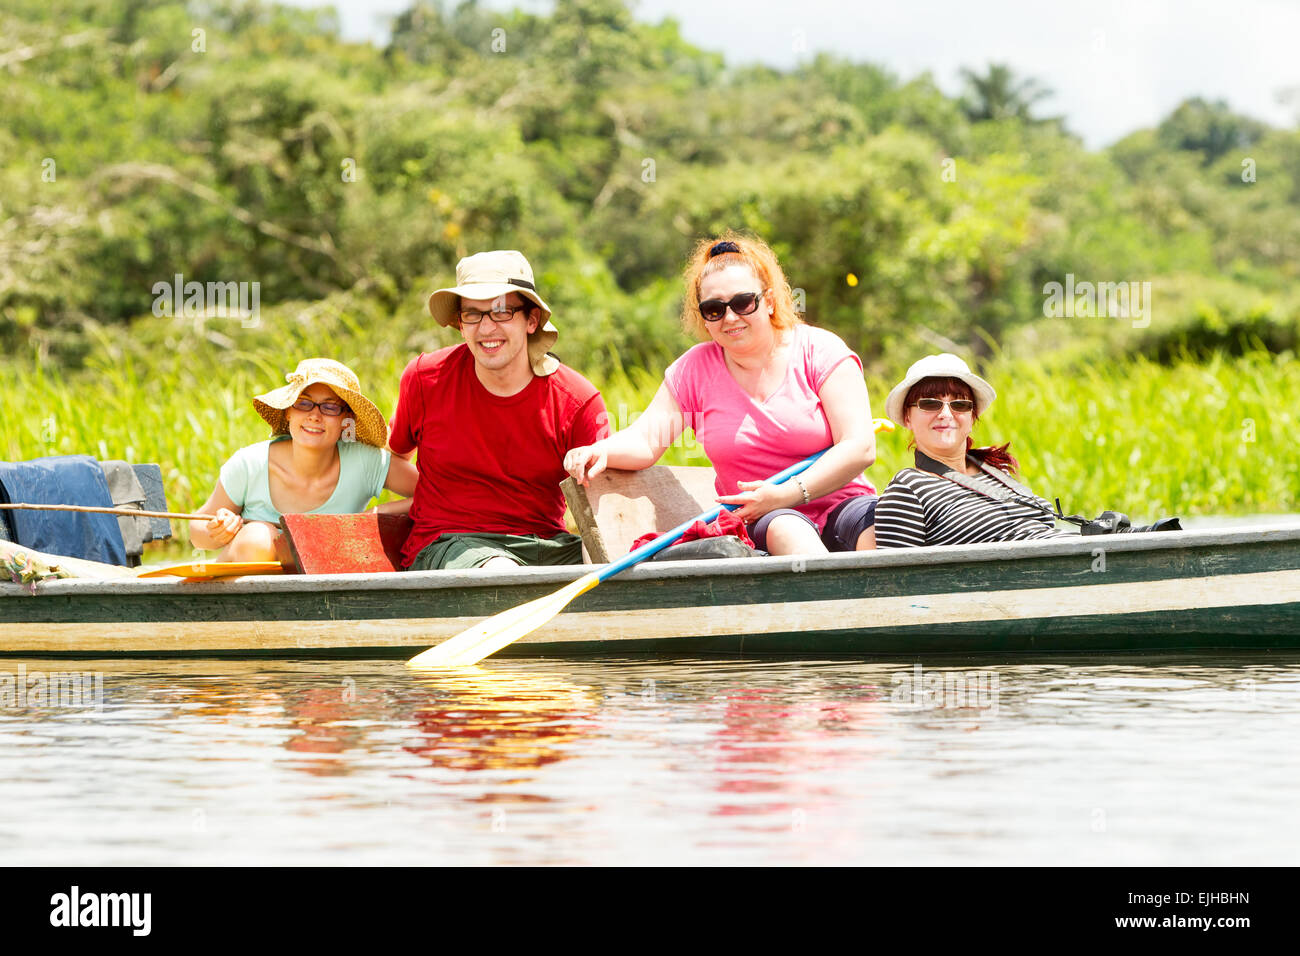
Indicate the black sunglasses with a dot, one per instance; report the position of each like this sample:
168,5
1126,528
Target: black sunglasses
742,304
935,404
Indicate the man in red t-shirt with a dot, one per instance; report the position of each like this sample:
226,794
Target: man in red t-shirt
492,419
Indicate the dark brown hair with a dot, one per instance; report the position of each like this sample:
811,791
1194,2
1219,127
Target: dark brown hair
934,387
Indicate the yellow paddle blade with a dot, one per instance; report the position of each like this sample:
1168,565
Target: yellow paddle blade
487,637
882,424
203,570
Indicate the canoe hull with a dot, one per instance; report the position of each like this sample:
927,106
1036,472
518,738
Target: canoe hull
1237,590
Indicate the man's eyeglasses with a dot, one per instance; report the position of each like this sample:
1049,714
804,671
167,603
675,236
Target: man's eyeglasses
743,304
330,408
500,315
958,405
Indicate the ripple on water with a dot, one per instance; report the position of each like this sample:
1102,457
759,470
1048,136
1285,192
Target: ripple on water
1137,761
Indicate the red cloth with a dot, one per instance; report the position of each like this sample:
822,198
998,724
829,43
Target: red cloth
724,524
487,463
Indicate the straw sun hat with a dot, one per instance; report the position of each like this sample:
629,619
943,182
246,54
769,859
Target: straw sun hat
488,275
272,406
945,365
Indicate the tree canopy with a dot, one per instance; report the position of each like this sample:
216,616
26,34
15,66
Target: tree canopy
234,140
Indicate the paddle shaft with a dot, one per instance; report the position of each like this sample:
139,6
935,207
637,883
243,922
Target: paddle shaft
124,512
668,537
475,643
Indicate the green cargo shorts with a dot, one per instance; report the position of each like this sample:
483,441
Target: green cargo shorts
460,552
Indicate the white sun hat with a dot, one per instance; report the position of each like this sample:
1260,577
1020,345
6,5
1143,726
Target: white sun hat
945,365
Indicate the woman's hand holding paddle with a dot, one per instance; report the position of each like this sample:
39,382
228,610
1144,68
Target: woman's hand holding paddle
223,528
757,498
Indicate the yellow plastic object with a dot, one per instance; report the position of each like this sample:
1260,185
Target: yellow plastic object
487,637
207,570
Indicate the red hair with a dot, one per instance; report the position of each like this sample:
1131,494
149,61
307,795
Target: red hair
753,253
933,387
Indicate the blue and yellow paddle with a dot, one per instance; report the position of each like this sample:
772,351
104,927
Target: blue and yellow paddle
475,643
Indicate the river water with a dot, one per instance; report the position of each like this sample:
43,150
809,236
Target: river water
1047,761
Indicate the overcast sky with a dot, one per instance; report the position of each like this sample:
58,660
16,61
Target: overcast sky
1114,65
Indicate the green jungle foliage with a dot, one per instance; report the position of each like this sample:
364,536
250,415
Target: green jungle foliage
243,141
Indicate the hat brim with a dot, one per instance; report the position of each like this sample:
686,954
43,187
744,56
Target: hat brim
539,344
982,390
273,406
444,304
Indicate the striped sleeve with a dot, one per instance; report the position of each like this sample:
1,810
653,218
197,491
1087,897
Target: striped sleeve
900,520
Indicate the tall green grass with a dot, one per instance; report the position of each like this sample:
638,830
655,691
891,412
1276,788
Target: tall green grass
1194,438
1213,437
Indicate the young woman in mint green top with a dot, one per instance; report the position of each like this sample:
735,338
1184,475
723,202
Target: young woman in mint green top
363,472
327,456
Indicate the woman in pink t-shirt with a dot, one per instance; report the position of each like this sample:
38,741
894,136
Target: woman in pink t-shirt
762,391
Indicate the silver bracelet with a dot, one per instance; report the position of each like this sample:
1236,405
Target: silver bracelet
802,487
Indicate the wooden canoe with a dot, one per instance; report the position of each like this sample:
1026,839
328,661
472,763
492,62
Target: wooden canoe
1222,590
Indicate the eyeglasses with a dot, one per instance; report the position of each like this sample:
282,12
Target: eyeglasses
500,315
743,304
958,405
331,408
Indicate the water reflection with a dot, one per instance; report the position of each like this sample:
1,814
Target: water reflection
479,718
771,741
324,722
1120,761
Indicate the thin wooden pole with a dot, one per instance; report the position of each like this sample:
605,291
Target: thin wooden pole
124,512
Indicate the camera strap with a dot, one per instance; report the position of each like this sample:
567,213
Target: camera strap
1007,489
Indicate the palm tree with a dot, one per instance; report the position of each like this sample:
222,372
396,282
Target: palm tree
1000,95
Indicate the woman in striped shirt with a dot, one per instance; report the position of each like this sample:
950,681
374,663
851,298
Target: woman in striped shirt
956,494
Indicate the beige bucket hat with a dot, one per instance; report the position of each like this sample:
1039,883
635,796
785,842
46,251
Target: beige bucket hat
945,365
273,405
487,275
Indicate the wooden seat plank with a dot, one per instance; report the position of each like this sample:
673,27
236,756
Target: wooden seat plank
617,507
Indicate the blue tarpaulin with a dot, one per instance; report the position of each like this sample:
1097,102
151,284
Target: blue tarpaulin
63,480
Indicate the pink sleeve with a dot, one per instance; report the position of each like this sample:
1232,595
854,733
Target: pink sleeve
823,354
682,379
